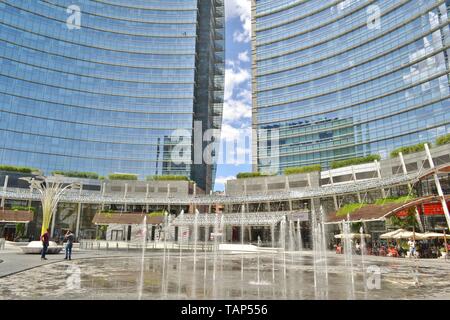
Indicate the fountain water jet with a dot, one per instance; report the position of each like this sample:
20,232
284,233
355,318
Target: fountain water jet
144,246
166,223
242,241
282,241
363,248
216,233
291,235
180,245
348,258
258,281
319,253
195,234
299,236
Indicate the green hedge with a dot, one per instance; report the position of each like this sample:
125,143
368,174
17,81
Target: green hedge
354,161
17,169
443,140
349,209
394,200
243,175
409,149
306,169
76,174
167,178
23,208
352,207
156,214
122,176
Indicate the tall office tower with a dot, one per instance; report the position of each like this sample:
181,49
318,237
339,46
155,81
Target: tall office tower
100,86
342,79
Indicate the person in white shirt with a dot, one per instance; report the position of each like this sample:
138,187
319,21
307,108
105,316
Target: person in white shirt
412,247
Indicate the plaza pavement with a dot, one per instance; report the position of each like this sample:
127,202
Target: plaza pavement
13,260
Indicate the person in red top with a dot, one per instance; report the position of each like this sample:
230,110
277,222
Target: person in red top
45,241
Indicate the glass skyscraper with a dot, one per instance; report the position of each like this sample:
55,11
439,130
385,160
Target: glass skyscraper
341,79
100,86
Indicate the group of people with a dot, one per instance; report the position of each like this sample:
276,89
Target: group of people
410,248
69,237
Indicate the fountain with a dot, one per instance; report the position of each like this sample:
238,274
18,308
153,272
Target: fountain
348,258
144,246
195,234
163,281
215,235
291,236
242,241
180,246
363,249
324,243
299,236
147,276
258,281
313,274
282,242
319,254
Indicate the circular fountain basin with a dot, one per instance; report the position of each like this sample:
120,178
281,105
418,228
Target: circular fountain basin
35,247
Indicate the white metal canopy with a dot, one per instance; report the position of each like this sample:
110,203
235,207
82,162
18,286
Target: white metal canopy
95,197
235,219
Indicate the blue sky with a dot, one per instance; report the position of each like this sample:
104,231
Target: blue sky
237,106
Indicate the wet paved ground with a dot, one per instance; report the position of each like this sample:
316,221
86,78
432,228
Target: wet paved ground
13,260
117,275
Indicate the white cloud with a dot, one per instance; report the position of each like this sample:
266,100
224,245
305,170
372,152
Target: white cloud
244,36
241,9
243,56
245,95
233,78
235,146
230,133
221,180
237,8
235,110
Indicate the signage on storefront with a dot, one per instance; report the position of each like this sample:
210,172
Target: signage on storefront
431,209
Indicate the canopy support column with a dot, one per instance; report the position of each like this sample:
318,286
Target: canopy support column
438,185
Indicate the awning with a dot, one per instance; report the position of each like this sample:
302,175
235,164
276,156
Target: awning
352,235
234,219
435,235
16,216
374,212
391,234
102,218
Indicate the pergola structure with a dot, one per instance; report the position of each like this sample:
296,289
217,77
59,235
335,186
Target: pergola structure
232,219
90,197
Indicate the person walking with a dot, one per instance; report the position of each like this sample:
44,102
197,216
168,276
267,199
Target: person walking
45,241
69,237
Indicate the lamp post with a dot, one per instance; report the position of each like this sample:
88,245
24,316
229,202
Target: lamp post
50,194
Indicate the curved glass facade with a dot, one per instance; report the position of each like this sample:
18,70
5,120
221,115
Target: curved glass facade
335,81
106,97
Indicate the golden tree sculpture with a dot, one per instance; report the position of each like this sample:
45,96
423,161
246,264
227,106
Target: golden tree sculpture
51,193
